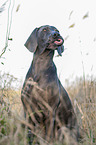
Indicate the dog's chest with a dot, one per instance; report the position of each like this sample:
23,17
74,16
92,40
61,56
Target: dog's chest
44,73
49,93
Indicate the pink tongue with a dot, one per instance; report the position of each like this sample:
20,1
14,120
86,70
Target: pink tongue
58,42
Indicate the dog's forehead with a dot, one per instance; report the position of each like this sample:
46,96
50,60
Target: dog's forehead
48,28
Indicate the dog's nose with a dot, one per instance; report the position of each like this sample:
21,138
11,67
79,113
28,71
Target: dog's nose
55,34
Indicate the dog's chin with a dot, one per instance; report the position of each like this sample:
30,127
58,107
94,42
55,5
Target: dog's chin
57,45
60,49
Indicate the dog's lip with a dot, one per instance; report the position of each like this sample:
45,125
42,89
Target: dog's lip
58,42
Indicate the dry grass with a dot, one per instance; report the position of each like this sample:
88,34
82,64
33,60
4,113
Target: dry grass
83,96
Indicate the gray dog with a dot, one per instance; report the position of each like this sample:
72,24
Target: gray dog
43,96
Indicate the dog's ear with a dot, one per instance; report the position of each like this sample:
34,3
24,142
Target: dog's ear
60,50
31,43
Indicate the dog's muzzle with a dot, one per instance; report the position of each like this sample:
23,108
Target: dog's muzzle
60,48
59,42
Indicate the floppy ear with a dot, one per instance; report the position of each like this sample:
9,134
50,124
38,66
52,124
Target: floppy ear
60,50
31,43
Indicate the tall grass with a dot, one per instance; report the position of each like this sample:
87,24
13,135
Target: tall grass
83,96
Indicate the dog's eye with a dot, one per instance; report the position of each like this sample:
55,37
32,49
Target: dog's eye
44,30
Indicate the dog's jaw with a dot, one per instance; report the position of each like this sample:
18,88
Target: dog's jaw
58,42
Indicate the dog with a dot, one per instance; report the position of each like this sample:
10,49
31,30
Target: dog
43,96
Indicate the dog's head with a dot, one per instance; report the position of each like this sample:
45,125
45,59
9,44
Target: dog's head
45,37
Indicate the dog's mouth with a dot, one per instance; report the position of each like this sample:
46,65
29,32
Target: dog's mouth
60,48
58,42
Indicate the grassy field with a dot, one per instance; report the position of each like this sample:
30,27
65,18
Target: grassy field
82,93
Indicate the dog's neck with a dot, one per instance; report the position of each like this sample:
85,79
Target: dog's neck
48,53
44,59
42,62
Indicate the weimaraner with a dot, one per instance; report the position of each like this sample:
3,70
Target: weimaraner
44,98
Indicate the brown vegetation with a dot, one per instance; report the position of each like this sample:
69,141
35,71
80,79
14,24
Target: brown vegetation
83,96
